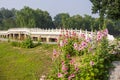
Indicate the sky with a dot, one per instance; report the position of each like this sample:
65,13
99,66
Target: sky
54,7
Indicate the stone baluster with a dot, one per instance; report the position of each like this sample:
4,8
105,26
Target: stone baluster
86,34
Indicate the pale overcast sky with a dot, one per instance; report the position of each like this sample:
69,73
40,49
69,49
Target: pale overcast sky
54,7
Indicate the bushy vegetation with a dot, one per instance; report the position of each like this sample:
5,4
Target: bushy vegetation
27,43
82,58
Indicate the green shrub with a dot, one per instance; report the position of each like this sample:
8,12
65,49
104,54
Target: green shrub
28,43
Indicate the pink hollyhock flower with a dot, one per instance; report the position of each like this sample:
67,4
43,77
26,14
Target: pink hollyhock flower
76,69
91,63
72,62
60,75
64,67
54,52
82,36
88,40
75,46
74,34
80,47
68,56
99,37
105,32
65,41
90,49
71,76
84,44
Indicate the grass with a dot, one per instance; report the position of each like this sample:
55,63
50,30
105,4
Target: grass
24,64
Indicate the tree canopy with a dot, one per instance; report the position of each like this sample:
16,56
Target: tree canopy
28,17
106,8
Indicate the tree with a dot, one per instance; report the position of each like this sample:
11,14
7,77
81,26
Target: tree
6,13
108,8
28,17
99,6
1,17
7,18
60,20
25,17
88,22
113,9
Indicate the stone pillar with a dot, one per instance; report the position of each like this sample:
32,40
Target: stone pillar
39,38
5,36
47,39
13,36
86,34
10,36
25,36
19,36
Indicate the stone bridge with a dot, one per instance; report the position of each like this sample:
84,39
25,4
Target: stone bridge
45,35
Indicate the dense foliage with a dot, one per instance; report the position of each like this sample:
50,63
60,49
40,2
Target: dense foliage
28,17
27,43
82,57
106,8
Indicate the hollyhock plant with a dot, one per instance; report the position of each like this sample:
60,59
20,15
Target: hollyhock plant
82,57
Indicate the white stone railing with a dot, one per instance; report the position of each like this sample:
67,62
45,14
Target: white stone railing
39,31
3,32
